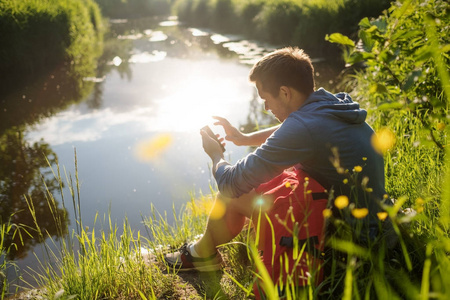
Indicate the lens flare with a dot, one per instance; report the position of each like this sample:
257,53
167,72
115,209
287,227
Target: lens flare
152,149
218,210
383,140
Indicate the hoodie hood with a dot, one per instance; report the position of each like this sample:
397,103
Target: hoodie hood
339,105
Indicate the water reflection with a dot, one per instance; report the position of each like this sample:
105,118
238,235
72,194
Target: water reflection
24,188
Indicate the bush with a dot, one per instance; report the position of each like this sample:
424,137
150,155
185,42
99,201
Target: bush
404,81
38,35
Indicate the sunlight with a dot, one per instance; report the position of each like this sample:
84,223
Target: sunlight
193,104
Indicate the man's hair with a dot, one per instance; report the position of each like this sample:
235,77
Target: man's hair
288,66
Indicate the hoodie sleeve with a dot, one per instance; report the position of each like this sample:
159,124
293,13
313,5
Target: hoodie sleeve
289,145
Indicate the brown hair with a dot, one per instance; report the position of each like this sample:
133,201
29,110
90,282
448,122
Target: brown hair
288,66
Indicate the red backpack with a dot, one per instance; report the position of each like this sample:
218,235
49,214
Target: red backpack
298,204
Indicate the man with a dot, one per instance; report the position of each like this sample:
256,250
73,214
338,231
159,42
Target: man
322,135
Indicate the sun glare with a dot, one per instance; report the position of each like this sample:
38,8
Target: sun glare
193,104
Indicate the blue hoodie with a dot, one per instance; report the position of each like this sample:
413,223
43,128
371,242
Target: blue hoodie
307,139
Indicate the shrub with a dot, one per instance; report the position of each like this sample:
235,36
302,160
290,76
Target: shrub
38,35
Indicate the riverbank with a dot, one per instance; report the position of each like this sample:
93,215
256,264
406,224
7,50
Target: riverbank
302,23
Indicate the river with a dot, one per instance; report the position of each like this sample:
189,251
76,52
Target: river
136,134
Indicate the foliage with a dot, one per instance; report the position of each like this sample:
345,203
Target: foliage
37,36
403,79
401,72
303,23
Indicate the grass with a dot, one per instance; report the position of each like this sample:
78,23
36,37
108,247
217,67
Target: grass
112,262
119,263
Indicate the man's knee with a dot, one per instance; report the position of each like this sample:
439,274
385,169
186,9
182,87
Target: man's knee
244,204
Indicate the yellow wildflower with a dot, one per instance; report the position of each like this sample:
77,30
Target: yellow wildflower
419,205
345,181
341,202
440,126
364,158
382,215
327,213
360,213
287,184
369,190
357,169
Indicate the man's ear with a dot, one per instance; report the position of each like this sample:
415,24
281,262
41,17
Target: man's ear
285,92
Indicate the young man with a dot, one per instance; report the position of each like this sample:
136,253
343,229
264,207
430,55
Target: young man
321,136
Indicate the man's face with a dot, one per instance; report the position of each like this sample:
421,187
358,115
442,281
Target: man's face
274,104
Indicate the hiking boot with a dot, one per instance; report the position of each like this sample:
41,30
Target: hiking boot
182,260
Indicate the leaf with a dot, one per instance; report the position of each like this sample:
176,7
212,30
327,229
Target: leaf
340,39
445,48
381,24
422,55
412,79
371,29
386,55
390,106
354,58
364,23
367,40
406,34
378,88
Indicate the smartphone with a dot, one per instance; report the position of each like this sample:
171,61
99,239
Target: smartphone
213,135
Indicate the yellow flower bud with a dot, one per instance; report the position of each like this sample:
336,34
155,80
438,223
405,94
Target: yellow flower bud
327,213
360,213
382,215
357,169
341,202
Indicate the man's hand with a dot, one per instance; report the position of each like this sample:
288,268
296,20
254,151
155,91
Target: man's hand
211,147
232,133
